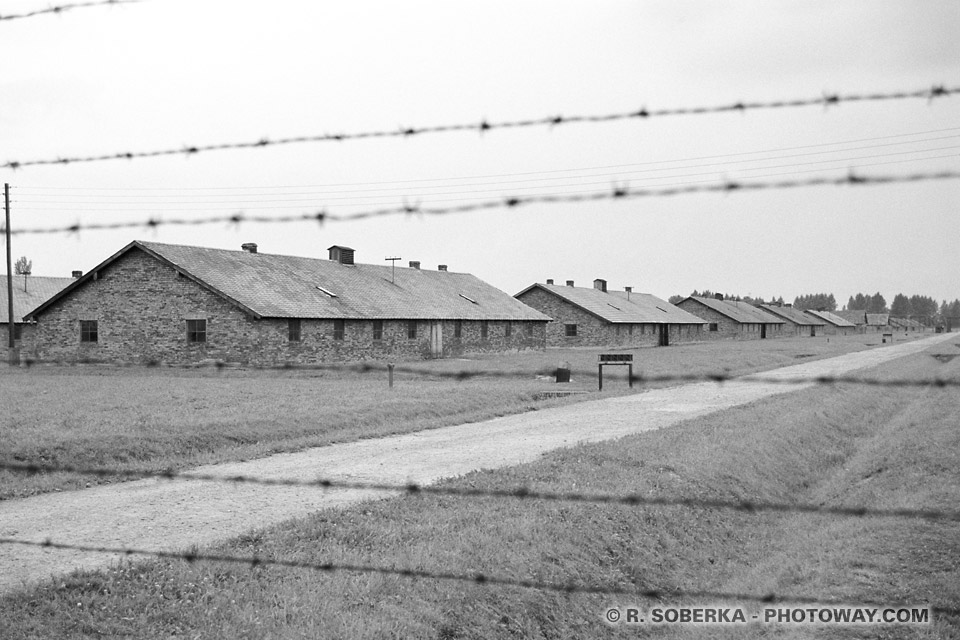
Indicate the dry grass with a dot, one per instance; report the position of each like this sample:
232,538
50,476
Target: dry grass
831,445
158,419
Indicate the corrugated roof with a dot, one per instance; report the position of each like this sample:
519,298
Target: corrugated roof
279,286
832,318
39,290
739,311
613,306
795,316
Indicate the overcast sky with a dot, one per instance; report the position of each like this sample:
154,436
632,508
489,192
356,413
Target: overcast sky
163,74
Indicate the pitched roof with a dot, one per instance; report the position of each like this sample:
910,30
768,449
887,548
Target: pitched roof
878,319
831,318
856,316
39,290
278,286
742,312
795,316
613,306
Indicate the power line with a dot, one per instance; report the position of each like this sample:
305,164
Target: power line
77,192
477,578
152,200
519,493
64,7
617,193
484,126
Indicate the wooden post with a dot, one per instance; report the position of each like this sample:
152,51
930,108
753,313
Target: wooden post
390,374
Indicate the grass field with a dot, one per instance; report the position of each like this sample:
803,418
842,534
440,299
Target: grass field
840,445
158,418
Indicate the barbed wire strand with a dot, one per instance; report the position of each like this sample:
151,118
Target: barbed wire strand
826,100
518,493
618,193
65,7
465,374
477,578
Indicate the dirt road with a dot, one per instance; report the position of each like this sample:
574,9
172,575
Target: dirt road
173,515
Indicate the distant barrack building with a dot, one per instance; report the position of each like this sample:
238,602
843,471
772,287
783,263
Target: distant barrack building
733,319
596,317
175,304
835,325
797,322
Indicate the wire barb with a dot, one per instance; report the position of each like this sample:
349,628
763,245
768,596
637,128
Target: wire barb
64,7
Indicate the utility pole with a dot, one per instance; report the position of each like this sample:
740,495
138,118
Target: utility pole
10,320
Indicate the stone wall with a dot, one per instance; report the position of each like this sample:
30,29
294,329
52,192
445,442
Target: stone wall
142,307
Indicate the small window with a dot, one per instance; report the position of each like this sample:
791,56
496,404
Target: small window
629,329
529,329
88,331
571,330
412,329
196,330
338,329
293,330
458,329
17,331
484,329
713,326
378,329
507,329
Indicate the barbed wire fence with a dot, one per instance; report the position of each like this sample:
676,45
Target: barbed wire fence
506,203
484,126
476,578
512,202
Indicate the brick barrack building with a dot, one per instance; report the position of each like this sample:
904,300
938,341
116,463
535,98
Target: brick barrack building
173,304
595,317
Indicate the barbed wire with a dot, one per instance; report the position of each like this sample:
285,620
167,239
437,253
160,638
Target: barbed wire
937,91
519,493
512,202
466,374
477,578
65,7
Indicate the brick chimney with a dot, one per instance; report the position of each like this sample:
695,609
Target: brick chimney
76,274
629,290
549,280
600,285
569,283
718,296
415,264
442,267
249,247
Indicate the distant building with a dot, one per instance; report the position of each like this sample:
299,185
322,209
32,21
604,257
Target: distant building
796,321
729,319
595,317
153,302
28,293
835,325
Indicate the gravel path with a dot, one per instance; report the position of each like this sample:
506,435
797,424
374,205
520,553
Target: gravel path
173,515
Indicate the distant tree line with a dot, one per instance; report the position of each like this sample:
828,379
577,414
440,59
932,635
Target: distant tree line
867,303
706,293
816,301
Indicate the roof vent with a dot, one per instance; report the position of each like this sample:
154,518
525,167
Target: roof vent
441,267
600,285
76,274
569,283
343,255
414,264
629,290
549,280
249,247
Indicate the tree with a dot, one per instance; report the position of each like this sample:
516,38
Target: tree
816,301
877,304
23,267
900,307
